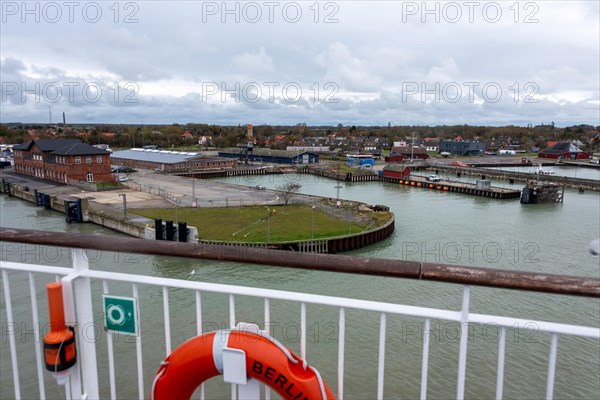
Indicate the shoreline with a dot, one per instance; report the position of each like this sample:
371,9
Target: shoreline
105,209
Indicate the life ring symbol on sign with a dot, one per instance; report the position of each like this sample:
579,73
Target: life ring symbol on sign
115,314
266,360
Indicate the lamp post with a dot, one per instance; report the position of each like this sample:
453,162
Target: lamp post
350,221
124,203
313,222
194,202
268,225
412,147
338,187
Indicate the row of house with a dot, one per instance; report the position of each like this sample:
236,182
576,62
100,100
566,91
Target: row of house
459,147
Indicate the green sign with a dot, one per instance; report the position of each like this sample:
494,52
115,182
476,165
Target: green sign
121,314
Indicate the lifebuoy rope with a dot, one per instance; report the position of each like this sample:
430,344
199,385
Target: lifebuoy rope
157,377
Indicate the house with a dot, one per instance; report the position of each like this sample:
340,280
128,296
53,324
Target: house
564,150
462,147
63,160
398,158
108,135
396,171
411,153
169,161
205,140
431,144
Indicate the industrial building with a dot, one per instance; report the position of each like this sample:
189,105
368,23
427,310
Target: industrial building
270,156
169,161
462,147
312,149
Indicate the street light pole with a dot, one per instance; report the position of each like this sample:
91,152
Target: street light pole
349,221
124,203
193,189
268,225
313,222
412,146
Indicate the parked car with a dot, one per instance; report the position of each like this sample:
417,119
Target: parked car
121,169
433,178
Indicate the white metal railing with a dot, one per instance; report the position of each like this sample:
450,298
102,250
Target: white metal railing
84,382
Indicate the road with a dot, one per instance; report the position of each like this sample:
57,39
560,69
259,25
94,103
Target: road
184,191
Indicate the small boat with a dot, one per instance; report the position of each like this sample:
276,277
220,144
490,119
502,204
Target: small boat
542,171
459,164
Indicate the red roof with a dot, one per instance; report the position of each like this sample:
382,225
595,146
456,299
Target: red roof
456,139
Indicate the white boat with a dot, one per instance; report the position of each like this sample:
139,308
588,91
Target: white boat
542,171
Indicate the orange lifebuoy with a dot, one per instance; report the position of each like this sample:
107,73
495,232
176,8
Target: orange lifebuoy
267,360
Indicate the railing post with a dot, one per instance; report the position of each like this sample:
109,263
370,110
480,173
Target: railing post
464,333
85,319
11,334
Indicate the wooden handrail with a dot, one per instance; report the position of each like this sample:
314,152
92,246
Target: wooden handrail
458,274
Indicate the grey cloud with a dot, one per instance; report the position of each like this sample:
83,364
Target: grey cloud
371,53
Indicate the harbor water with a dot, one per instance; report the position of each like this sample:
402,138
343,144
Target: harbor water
431,226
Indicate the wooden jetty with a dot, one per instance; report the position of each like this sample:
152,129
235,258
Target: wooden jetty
456,187
577,183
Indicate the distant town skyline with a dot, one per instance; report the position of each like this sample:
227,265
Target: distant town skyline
319,63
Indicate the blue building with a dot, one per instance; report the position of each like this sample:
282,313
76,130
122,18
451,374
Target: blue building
462,147
270,156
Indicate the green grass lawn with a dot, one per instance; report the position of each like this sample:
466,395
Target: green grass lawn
256,224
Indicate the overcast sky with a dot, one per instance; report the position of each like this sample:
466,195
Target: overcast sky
278,62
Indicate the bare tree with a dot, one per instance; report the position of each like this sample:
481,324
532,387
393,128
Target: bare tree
288,190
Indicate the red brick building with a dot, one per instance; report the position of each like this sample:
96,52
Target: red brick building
564,150
63,160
